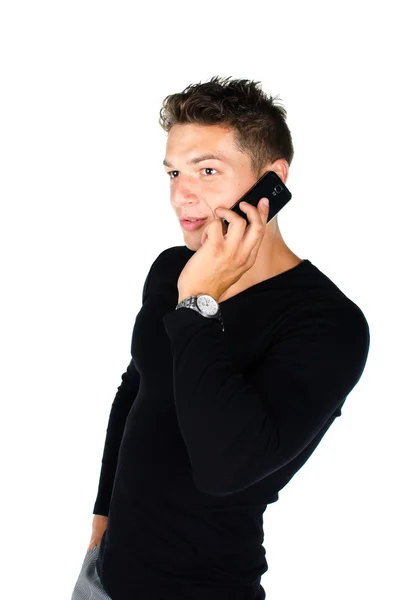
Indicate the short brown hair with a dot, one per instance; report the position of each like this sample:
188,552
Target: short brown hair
259,123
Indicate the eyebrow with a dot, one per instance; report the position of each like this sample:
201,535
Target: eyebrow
197,159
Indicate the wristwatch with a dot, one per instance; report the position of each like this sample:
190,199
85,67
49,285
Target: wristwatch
205,305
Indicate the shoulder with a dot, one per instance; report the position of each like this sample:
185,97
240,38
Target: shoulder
164,271
171,259
330,326
319,298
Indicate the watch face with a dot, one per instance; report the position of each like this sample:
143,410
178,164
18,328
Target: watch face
207,304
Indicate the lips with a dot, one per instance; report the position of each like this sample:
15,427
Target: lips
192,218
191,226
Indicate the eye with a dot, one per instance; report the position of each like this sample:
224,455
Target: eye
170,173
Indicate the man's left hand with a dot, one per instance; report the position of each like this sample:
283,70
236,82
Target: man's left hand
223,259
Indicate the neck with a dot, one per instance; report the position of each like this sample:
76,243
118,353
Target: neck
274,257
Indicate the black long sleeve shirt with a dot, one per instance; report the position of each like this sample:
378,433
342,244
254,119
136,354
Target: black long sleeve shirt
208,426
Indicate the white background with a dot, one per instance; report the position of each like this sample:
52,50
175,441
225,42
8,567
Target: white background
85,210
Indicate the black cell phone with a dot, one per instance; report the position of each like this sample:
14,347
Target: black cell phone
269,186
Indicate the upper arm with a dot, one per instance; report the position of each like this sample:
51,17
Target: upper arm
307,375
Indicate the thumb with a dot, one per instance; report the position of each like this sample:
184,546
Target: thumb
204,235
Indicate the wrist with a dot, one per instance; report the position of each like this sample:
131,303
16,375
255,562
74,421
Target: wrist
213,295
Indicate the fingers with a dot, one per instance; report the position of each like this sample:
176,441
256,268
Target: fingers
247,237
237,224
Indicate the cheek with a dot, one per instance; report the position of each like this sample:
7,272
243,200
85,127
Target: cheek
217,194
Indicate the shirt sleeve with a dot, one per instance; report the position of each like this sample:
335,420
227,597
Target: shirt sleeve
125,397
237,431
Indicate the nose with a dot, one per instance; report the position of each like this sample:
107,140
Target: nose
184,191
185,185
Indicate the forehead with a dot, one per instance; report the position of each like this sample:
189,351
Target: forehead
190,139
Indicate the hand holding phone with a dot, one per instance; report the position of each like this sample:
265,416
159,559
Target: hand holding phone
268,186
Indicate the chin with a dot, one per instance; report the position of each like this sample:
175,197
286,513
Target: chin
193,245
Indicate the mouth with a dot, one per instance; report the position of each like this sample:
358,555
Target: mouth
192,225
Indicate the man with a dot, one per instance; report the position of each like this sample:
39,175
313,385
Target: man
243,354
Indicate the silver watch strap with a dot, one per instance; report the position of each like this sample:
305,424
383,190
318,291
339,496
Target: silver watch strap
191,302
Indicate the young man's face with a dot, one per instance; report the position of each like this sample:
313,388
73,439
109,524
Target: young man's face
198,188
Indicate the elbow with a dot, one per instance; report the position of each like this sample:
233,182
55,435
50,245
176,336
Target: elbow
223,482
213,481
212,487
226,474
219,482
